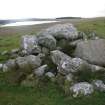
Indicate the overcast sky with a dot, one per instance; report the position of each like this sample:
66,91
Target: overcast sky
51,8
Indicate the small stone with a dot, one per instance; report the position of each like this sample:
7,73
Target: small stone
99,85
81,89
40,71
50,75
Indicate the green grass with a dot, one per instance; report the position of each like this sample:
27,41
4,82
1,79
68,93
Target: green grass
96,25
48,94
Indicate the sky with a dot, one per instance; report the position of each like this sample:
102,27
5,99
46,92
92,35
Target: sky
10,9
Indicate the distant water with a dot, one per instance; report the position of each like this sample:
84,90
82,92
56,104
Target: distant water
27,23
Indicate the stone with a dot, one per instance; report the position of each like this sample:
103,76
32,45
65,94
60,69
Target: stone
29,42
99,85
40,71
63,31
14,51
45,50
50,74
92,51
47,41
9,65
74,43
23,64
34,61
36,50
72,66
96,68
1,66
81,89
58,56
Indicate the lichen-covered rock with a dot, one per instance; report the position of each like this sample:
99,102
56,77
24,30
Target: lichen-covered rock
47,41
63,31
81,89
99,85
72,66
57,56
40,71
28,42
9,65
92,50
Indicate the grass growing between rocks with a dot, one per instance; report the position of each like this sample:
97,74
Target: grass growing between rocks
49,94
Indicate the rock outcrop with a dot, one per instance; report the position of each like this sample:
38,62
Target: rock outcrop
60,55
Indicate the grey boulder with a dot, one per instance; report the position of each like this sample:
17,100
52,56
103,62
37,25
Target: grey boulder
40,71
57,56
92,50
28,42
63,31
81,89
99,85
29,62
47,41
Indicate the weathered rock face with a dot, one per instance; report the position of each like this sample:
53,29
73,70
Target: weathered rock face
63,31
47,41
99,85
92,50
29,42
81,89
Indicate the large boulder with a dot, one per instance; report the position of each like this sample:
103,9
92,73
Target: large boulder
47,41
57,56
92,50
63,31
72,66
29,42
81,89
66,64
28,63
34,61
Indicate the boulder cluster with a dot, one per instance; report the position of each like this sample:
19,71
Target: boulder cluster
62,55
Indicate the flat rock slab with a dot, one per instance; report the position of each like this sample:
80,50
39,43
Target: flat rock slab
92,50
